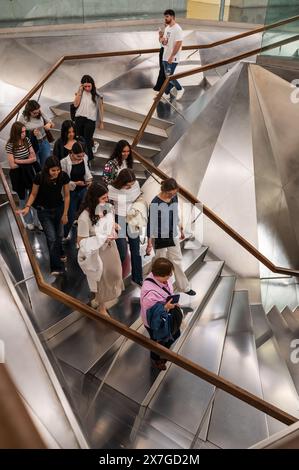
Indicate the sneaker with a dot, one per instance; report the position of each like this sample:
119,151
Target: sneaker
95,147
67,239
38,226
57,273
159,364
94,303
180,94
173,91
166,96
136,283
29,226
190,292
63,258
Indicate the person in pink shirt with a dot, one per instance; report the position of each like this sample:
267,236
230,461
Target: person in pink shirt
153,292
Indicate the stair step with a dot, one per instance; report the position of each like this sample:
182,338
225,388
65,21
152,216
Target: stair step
235,424
287,341
203,345
261,328
135,358
130,127
277,384
96,340
290,319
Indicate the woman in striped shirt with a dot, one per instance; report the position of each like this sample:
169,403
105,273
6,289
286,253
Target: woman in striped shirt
23,167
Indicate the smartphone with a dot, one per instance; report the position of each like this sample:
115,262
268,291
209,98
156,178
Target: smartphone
174,298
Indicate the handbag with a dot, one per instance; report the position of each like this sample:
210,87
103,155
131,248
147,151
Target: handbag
163,243
49,134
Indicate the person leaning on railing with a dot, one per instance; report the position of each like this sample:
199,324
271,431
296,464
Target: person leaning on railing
52,208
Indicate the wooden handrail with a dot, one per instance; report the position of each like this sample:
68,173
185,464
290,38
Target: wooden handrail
95,55
17,430
218,221
138,338
203,68
182,362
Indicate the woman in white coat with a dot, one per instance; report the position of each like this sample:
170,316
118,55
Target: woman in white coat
96,235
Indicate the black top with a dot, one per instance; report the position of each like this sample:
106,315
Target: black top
78,172
50,194
59,150
163,218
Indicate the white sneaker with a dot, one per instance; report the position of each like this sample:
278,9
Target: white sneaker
180,94
95,147
94,303
173,91
38,226
166,97
29,226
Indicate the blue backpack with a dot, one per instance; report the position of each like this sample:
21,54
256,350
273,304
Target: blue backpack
159,321
162,323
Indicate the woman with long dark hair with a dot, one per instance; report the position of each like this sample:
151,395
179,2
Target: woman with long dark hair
76,167
37,124
52,208
124,191
63,145
120,159
87,111
23,167
96,210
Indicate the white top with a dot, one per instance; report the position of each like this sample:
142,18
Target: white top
172,34
123,198
35,123
87,108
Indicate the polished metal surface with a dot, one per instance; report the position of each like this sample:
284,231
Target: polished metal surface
33,374
284,337
277,384
290,319
203,345
229,425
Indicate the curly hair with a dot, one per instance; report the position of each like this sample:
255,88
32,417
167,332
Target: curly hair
117,153
91,200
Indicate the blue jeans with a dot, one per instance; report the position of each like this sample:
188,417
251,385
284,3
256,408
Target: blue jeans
44,151
76,198
169,70
134,243
50,220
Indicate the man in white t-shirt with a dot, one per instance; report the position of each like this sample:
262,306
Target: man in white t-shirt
172,41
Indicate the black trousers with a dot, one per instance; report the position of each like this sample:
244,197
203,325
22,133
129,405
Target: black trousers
85,128
161,76
166,344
